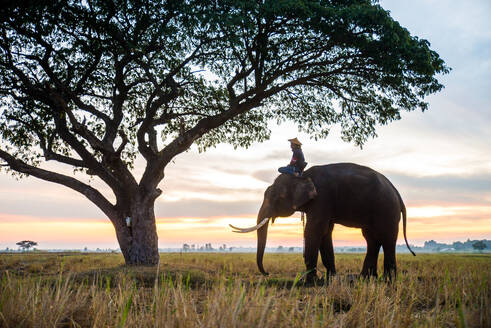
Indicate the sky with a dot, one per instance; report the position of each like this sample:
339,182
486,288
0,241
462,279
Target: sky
440,161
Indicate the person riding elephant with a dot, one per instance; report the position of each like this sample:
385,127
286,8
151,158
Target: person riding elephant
297,163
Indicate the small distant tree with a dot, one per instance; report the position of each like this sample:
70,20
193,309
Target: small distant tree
185,247
479,245
26,244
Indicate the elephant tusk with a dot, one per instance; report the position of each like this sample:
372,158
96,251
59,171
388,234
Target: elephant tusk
256,227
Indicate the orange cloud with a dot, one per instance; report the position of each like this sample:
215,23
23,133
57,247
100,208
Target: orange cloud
58,234
442,223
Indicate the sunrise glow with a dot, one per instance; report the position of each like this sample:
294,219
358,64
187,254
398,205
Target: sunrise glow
439,160
424,223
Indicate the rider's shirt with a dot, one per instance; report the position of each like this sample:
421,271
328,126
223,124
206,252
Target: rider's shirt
298,159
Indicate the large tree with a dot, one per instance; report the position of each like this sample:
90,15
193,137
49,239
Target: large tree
93,84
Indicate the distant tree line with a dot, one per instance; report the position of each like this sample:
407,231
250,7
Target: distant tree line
204,248
458,245
429,246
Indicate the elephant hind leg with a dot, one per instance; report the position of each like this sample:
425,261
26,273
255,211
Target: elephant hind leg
327,251
373,248
389,259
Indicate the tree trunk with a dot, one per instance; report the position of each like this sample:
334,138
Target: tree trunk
139,240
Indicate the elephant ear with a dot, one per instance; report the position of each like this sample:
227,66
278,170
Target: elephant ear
303,192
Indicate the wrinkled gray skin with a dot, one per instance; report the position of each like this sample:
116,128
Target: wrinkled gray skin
345,193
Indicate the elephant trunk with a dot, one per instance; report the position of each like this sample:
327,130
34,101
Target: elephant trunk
262,234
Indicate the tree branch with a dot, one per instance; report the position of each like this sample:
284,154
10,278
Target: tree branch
46,147
92,194
154,173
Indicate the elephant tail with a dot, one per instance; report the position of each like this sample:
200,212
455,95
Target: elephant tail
403,210
404,216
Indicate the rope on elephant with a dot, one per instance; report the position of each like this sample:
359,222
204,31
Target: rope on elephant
302,217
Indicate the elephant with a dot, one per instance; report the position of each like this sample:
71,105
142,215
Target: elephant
343,193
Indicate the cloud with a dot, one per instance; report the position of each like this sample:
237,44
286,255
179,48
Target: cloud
265,175
210,192
205,208
277,154
445,189
475,183
461,34
50,206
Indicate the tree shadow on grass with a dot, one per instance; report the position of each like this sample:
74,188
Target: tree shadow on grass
147,277
140,277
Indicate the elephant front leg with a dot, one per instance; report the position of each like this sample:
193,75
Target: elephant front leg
312,240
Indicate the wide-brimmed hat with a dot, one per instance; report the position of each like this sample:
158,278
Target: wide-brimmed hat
295,141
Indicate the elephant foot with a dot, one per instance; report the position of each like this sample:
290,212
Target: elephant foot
351,278
314,282
369,274
312,279
390,276
327,277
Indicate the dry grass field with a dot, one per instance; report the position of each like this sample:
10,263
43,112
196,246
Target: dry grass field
225,290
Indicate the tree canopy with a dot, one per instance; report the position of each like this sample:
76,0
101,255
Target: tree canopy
92,84
124,71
